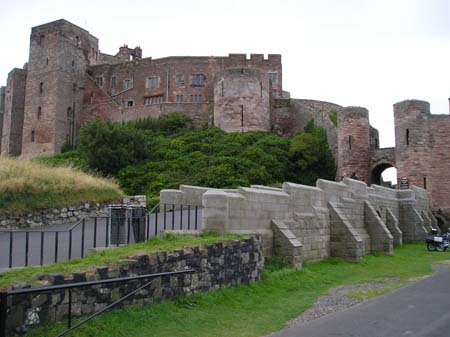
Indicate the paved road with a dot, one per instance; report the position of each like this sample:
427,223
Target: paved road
421,309
103,232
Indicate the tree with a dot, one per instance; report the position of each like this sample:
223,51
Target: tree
311,156
109,147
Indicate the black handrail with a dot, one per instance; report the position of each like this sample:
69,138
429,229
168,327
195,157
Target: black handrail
5,294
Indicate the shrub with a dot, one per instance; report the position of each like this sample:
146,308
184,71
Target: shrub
311,156
109,147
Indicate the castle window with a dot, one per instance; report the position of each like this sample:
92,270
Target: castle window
46,61
113,81
39,113
153,82
73,63
425,182
198,80
196,98
179,79
350,142
96,55
41,40
179,98
153,100
33,136
130,103
407,136
99,81
273,77
78,41
41,87
222,87
127,84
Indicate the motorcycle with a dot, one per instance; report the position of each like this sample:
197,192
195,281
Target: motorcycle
437,242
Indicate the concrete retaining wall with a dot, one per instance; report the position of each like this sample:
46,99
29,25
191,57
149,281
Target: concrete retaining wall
333,219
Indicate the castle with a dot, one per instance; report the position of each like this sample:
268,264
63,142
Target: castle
68,81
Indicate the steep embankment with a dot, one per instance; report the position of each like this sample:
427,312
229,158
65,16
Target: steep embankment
27,185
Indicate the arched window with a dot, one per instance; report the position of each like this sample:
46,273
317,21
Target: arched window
39,113
407,136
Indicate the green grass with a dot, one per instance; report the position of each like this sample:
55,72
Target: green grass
333,117
27,185
111,257
260,308
366,293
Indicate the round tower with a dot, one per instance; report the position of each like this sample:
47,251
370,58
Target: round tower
242,100
412,141
354,142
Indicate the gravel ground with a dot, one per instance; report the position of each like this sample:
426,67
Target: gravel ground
338,299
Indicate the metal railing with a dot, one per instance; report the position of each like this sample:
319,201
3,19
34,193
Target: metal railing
69,286
22,248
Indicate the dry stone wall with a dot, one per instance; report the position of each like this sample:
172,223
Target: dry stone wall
216,266
63,215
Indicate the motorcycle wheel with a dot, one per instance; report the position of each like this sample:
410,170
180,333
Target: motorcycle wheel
431,246
440,247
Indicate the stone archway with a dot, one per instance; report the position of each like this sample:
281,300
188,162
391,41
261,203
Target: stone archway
375,172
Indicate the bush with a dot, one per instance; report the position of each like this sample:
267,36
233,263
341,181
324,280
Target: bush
109,147
152,154
311,156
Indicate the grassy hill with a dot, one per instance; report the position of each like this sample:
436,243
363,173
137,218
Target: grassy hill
27,185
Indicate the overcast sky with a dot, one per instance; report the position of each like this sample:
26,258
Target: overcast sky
370,53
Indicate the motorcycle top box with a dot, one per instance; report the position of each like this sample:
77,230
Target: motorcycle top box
433,239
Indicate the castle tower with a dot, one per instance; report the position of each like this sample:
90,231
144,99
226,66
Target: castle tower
412,141
242,100
354,142
13,117
59,55
2,111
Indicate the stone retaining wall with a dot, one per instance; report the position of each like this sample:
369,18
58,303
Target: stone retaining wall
62,215
217,266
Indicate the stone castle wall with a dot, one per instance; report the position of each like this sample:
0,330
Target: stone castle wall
13,117
290,116
216,266
422,150
59,54
242,100
2,111
354,142
439,176
69,82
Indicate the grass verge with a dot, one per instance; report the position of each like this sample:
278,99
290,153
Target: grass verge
110,257
27,185
260,308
